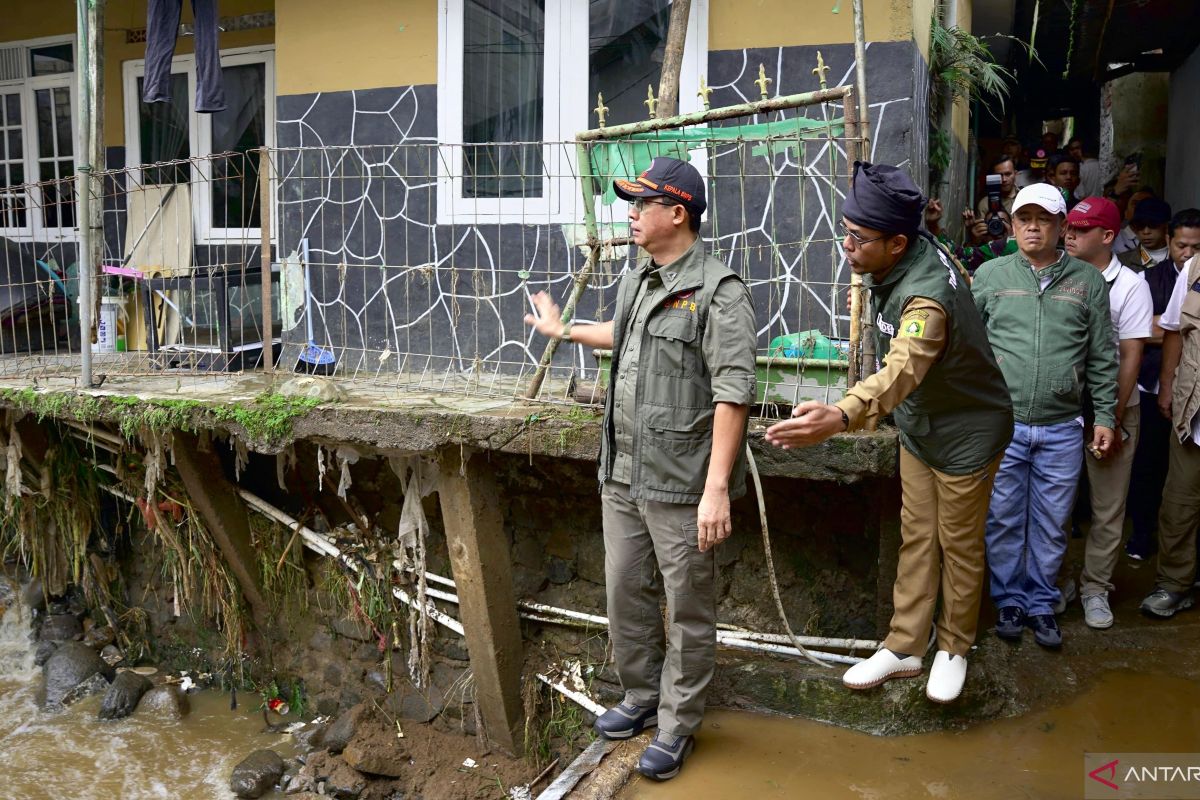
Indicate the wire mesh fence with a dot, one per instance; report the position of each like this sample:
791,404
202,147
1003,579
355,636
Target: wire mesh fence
410,267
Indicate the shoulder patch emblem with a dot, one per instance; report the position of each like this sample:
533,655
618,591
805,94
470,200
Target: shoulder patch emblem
912,328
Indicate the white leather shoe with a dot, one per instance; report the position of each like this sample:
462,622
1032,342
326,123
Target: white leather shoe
883,666
946,677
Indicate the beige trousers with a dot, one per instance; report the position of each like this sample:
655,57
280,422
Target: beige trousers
941,533
1178,517
1109,482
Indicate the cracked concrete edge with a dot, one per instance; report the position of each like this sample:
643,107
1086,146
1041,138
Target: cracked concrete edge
542,431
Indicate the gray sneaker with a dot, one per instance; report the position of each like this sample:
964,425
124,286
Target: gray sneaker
1096,612
1066,595
1164,603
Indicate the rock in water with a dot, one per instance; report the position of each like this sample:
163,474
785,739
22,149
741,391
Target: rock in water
122,697
165,701
112,655
60,628
99,637
97,684
257,773
43,653
70,665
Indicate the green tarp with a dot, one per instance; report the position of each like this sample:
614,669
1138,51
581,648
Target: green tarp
629,157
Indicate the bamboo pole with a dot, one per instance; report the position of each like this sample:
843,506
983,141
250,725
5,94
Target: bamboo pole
860,73
668,83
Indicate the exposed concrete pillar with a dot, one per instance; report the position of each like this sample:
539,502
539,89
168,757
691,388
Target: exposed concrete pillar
479,554
224,516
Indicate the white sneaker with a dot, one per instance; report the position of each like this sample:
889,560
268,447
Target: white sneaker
1066,595
946,677
883,666
1096,611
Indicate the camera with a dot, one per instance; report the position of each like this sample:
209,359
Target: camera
995,225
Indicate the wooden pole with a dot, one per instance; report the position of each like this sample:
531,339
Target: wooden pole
668,84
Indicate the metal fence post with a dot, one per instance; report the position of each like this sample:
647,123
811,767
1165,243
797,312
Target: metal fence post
264,203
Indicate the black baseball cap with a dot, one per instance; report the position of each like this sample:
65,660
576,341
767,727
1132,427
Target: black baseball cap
667,177
1152,211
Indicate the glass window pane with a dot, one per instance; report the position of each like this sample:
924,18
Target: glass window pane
14,144
163,131
12,109
62,117
240,128
52,60
45,123
627,40
503,70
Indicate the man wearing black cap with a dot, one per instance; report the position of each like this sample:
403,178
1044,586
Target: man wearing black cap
671,456
949,401
1149,223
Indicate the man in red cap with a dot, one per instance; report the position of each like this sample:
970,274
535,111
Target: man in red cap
1091,227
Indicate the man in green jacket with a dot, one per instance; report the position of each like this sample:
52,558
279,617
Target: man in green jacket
949,401
1047,317
672,456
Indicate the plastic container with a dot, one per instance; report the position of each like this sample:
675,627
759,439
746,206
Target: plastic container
805,344
106,325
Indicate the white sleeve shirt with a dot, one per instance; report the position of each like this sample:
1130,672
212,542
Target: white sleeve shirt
1130,306
1169,321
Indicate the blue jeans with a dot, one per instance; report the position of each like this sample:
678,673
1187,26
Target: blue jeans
1031,502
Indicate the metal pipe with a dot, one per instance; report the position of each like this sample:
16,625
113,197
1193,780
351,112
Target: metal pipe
726,112
264,213
83,209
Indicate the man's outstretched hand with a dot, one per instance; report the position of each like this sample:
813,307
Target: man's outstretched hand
548,321
811,423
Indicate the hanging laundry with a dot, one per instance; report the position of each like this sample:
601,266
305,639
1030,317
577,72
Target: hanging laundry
162,28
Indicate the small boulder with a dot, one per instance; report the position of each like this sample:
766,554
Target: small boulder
257,773
415,705
123,695
112,655
323,389
43,652
96,684
32,596
99,636
339,734
376,755
344,782
70,665
311,736
60,628
168,702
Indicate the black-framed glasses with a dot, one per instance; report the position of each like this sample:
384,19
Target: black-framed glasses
854,237
640,203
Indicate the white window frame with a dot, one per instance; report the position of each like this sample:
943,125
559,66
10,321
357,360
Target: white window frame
200,136
35,228
565,112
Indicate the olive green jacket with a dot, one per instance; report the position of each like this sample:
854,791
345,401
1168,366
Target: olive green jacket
1050,343
680,376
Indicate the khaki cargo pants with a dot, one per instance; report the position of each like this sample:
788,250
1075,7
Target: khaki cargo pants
650,549
941,529
1178,517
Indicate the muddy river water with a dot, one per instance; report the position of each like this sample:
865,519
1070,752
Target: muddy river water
73,755
1038,755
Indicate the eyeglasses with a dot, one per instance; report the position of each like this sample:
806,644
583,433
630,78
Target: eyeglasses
639,205
854,237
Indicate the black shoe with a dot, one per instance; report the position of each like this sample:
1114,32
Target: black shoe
1046,631
664,756
1011,623
625,720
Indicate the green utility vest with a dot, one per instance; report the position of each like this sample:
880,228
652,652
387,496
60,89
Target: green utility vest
960,417
672,441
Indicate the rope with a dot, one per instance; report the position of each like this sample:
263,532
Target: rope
762,518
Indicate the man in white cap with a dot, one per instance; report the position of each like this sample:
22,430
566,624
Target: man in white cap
1047,318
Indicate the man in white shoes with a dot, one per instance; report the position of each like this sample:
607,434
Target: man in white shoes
950,402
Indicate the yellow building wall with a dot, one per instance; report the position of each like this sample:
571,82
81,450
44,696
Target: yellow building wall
31,19
385,43
736,24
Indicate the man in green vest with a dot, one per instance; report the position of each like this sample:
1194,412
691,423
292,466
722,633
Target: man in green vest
672,456
941,383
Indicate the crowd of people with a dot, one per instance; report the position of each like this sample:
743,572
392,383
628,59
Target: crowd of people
1071,336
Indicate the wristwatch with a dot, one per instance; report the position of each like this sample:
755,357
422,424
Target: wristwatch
845,419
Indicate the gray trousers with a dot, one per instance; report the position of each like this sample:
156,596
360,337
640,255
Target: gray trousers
650,549
162,28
